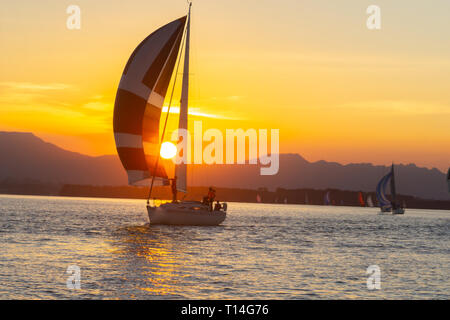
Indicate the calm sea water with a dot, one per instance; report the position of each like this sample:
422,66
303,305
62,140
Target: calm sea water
260,252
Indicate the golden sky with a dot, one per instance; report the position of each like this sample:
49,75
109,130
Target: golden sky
336,90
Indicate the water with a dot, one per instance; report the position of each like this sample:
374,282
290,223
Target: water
260,252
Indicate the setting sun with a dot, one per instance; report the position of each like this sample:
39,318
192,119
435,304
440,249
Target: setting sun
168,150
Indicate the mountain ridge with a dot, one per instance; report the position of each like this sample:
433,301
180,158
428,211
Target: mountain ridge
31,158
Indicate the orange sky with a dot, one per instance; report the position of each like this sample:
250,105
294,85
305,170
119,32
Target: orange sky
336,90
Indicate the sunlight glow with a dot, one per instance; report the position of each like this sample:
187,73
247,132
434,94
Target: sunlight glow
168,150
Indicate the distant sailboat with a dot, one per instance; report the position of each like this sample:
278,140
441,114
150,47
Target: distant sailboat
396,208
306,198
326,199
384,203
361,199
137,113
285,200
448,179
369,201
258,198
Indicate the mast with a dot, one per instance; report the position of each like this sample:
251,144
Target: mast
180,169
393,192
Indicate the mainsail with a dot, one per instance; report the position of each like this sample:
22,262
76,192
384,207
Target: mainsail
181,169
139,101
393,192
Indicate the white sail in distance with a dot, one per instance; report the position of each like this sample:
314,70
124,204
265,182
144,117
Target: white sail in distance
369,201
258,198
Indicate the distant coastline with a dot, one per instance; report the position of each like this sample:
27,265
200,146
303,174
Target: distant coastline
280,195
30,160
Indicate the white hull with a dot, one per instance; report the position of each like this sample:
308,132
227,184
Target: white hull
398,211
385,210
394,211
185,214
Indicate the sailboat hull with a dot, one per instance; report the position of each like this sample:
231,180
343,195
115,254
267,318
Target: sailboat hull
392,211
185,214
398,211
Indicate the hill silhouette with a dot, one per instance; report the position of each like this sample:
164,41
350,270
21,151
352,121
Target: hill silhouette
25,157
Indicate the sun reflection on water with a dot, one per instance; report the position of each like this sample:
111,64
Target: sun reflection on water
159,269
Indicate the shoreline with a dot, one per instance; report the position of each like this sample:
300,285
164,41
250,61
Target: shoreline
228,201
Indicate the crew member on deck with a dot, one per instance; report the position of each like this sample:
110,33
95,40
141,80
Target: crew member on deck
217,207
174,189
211,196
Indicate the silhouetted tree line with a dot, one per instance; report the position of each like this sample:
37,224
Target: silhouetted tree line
280,195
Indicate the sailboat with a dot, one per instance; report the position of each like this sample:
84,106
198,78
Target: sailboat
326,199
137,114
258,198
361,199
448,179
369,201
384,203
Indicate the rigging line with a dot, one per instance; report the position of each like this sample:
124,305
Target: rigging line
167,116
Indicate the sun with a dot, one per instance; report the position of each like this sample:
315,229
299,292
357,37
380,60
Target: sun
168,150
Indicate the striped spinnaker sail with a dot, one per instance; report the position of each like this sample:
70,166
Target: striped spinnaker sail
139,101
381,192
